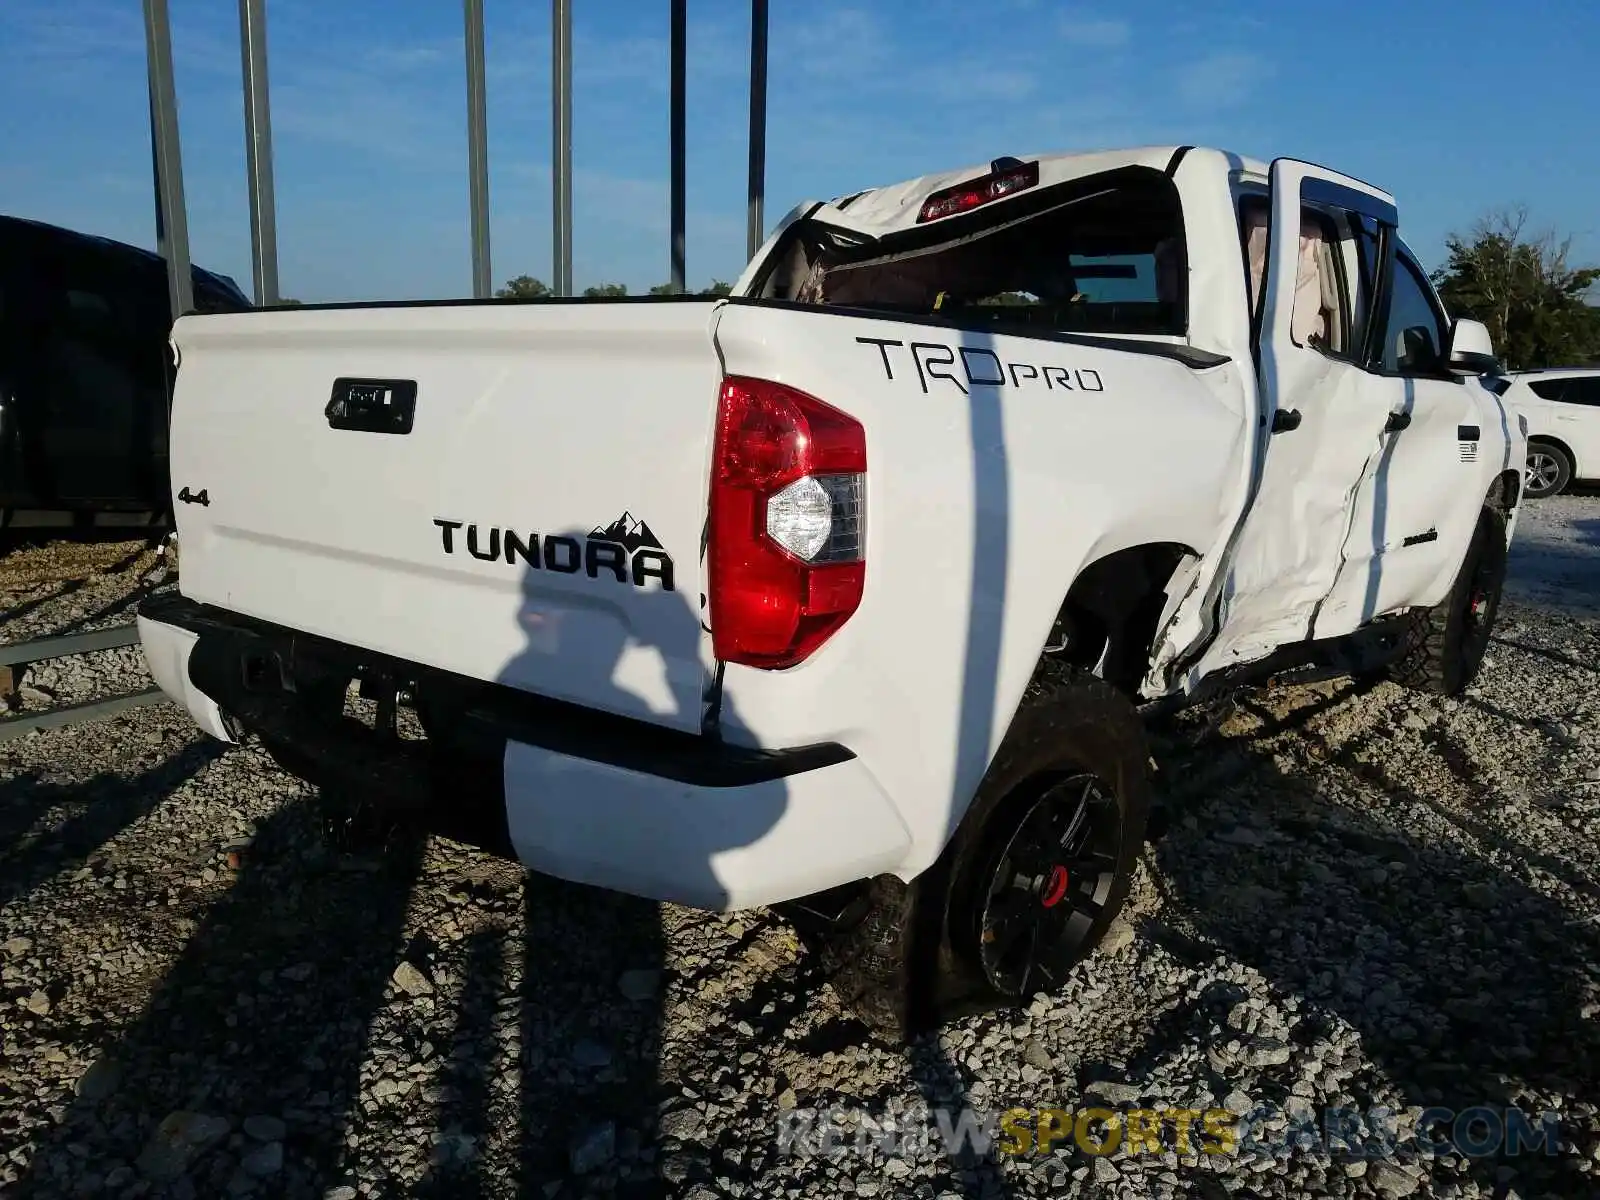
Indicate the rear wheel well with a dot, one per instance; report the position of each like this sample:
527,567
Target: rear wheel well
1111,612
1505,491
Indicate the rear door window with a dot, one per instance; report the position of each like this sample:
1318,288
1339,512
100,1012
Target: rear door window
1549,389
1331,294
1584,390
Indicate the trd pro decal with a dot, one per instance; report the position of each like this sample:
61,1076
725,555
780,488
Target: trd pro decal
625,550
968,367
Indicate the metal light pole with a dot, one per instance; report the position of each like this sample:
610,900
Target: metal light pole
172,224
561,141
258,150
680,56
758,124
478,152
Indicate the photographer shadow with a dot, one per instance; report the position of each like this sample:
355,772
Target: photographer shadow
602,839
418,1018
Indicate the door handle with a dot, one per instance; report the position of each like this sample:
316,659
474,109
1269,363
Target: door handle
1396,422
1286,420
372,405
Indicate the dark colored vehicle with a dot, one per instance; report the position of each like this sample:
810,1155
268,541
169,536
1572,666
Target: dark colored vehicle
86,374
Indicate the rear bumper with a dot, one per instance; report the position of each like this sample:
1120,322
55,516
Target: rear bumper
570,792
166,651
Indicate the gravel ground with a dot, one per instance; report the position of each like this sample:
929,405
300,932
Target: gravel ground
1351,899
59,587
1555,555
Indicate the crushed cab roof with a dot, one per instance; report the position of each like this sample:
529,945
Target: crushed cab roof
882,210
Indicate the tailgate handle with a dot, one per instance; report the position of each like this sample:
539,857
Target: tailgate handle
373,405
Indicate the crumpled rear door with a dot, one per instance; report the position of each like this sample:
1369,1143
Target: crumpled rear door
1323,421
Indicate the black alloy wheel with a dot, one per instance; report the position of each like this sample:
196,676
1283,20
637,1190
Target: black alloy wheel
1051,875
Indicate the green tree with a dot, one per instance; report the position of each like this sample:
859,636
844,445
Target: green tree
718,287
523,287
606,291
1525,289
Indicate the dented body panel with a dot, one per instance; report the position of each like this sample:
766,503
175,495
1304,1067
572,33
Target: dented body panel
975,539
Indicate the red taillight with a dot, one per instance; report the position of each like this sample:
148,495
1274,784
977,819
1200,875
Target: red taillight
788,508
964,196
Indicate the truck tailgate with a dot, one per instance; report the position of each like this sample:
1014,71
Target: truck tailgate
537,521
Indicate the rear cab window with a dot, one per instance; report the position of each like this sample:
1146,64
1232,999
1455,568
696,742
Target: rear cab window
1104,254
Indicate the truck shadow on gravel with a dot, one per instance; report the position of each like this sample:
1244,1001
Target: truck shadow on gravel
1466,986
412,1017
266,1012
95,813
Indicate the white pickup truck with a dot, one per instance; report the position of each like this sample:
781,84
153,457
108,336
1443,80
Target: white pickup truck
848,590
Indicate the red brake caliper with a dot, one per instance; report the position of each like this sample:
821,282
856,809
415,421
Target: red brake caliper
1055,886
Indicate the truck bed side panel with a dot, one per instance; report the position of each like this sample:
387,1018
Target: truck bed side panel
998,467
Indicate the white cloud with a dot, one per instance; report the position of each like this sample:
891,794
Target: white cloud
833,44
982,83
400,101
1221,80
519,54
448,52
1079,29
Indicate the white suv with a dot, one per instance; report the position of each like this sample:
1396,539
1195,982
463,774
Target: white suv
1563,413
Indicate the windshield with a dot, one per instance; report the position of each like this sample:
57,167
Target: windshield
217,293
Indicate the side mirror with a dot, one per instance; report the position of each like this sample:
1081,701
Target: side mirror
1472,349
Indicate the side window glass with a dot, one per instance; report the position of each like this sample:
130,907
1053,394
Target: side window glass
1331,293
1550,389
1254,218
1321,318
92,350
97,304
1413,342
1364,235
1583,390
89,313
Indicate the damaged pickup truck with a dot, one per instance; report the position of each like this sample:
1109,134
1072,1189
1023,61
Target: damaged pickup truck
848,592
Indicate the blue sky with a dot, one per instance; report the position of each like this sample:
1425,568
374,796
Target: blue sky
1456,107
